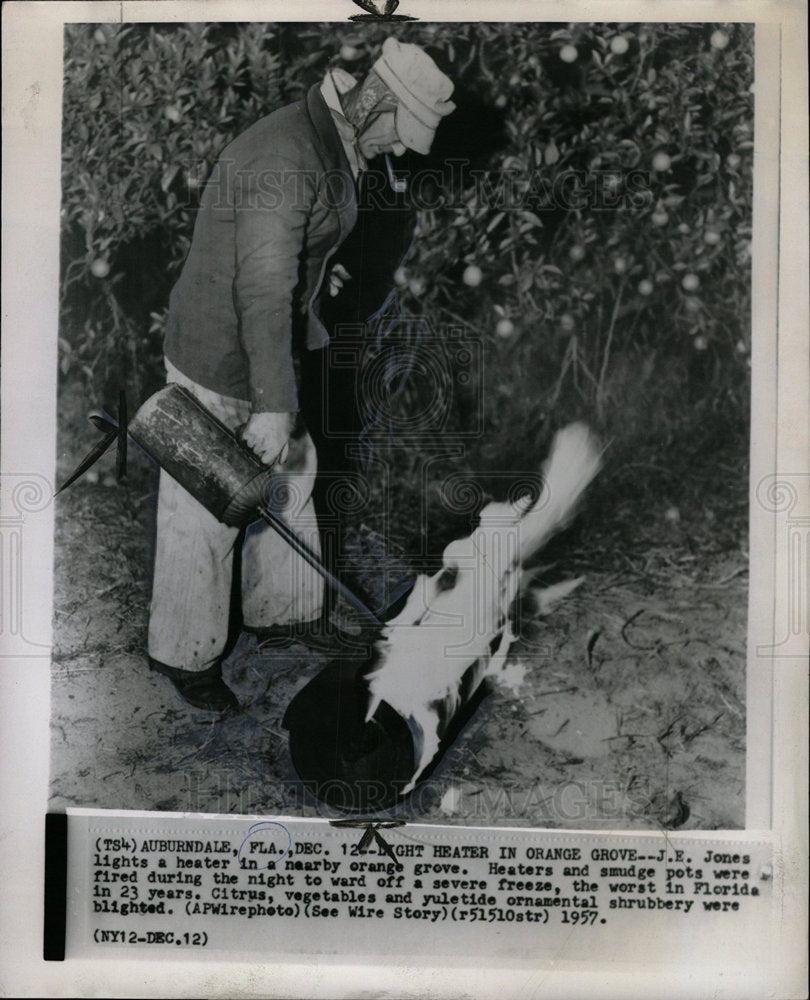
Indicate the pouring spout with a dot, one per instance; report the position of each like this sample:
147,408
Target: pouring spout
309,555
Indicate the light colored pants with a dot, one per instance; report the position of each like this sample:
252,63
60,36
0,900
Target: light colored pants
188,620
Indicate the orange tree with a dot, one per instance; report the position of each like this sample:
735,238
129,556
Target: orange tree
603,255
597,252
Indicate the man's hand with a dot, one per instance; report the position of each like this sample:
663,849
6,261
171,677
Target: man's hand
337,276
267,434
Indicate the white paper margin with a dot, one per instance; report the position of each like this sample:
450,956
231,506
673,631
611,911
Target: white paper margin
777,771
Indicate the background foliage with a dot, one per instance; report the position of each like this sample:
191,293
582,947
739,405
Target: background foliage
622,296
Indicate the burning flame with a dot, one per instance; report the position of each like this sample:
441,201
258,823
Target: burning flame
460,616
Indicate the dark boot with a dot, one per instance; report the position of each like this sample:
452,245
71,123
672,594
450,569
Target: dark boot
203,689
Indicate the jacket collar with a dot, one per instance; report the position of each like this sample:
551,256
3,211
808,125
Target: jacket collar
330,148
329,142
335,83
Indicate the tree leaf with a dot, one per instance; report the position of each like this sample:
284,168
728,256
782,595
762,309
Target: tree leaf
170,171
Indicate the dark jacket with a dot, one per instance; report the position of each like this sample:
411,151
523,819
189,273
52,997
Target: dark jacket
279,202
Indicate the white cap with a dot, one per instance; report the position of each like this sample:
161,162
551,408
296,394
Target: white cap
422,92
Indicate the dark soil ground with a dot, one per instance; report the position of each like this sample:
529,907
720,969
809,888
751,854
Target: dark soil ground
623,710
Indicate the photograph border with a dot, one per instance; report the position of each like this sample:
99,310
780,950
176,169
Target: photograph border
776,683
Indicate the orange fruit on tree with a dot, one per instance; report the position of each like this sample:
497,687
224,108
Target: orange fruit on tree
472,276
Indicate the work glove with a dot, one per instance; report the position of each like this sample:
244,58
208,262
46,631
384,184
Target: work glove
268,435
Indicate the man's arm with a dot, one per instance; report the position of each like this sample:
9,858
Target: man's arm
272,205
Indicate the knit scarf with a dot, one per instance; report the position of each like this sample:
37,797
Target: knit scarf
362,103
